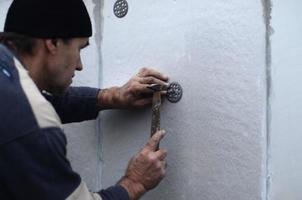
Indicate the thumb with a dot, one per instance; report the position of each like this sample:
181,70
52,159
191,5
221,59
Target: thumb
155,140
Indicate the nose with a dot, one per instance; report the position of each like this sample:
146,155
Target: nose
79,65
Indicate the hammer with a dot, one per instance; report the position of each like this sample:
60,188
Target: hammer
173,94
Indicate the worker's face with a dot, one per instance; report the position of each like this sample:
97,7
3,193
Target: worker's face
63,64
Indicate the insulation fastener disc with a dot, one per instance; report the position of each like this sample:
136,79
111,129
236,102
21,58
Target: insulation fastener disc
120,8
174,92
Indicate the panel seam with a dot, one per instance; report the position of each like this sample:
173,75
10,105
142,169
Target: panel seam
267,9
99,19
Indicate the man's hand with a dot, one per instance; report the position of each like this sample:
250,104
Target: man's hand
134,94
146,169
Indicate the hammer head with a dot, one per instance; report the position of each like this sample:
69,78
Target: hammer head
174,91
158,87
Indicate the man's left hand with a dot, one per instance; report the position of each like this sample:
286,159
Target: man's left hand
134,94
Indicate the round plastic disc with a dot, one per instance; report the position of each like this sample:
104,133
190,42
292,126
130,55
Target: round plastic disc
120,8
174,92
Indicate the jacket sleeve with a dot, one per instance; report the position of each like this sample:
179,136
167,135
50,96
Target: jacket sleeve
35,167
76,104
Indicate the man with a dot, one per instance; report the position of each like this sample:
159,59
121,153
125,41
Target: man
39,54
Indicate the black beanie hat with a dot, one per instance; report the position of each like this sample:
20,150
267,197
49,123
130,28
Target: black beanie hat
48,18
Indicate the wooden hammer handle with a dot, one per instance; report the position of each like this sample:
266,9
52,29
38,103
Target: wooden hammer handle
155,123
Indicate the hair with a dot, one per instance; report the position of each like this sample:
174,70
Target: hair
22,44
19,44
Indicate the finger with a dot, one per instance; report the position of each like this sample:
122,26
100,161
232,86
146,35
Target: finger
143,102
155,140
144,72
145,91
163,92
161,154
163,167
141,89
151,80
164,164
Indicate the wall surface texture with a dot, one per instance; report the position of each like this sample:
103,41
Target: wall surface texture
286,101
216,136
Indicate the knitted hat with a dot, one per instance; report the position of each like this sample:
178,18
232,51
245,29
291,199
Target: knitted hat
48,18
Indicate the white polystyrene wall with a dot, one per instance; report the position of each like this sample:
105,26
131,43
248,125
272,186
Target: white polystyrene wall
216,135
4,4
286,101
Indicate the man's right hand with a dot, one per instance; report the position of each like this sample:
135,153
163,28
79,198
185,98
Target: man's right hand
146,169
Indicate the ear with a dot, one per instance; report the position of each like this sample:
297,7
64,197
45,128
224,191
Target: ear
51,45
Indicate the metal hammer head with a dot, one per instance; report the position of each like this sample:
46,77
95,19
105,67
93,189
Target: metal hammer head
174,91
158,87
